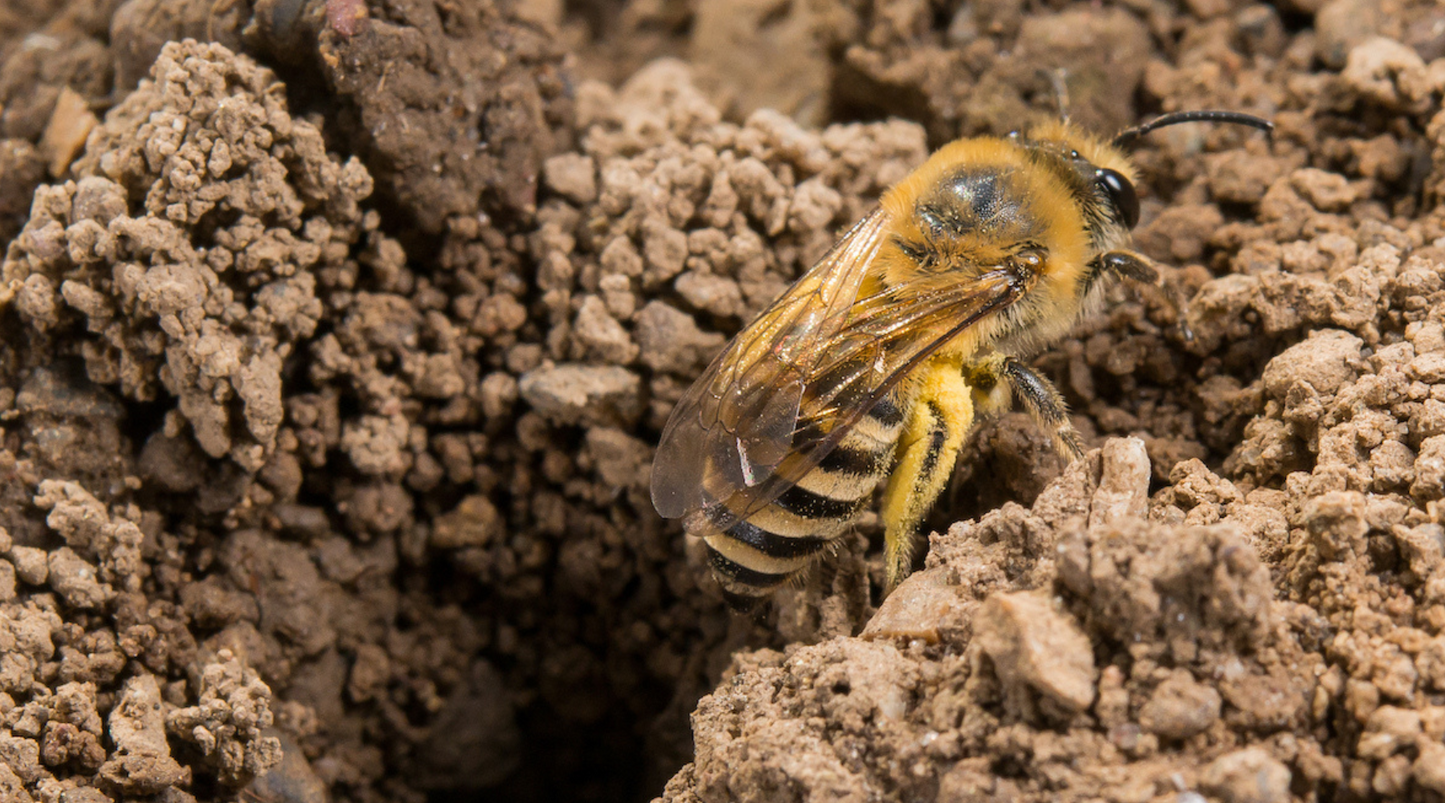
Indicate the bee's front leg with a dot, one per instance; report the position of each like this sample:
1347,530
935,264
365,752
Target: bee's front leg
937,423
1128,265
1139,268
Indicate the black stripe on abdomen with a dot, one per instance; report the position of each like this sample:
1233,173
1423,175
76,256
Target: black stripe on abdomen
742,575
774,545
803,503
851,461
752,557
887,412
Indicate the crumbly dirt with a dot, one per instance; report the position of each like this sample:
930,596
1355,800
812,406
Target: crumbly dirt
337,344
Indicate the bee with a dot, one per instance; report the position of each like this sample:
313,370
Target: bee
880,359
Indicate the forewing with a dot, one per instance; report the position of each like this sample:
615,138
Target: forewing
735,425
885,338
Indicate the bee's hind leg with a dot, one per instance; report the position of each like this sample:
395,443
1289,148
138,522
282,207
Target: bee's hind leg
947,405
998,379
933,433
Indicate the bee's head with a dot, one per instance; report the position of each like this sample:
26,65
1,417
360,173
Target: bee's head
1101,174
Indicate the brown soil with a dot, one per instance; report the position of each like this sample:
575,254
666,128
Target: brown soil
336,347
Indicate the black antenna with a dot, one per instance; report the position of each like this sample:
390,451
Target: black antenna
1127,137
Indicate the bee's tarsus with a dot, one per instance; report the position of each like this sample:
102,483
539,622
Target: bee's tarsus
1130,266
1073,444
1138,268
1180,301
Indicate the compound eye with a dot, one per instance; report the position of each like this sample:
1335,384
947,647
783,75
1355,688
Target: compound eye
1121,195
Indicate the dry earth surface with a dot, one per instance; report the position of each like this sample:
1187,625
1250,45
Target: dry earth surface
337,340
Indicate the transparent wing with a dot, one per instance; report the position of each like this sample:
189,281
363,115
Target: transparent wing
887,336
741,432
734,426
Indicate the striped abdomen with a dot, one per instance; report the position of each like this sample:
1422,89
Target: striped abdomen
754,556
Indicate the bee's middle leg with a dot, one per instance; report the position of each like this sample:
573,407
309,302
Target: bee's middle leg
998,379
